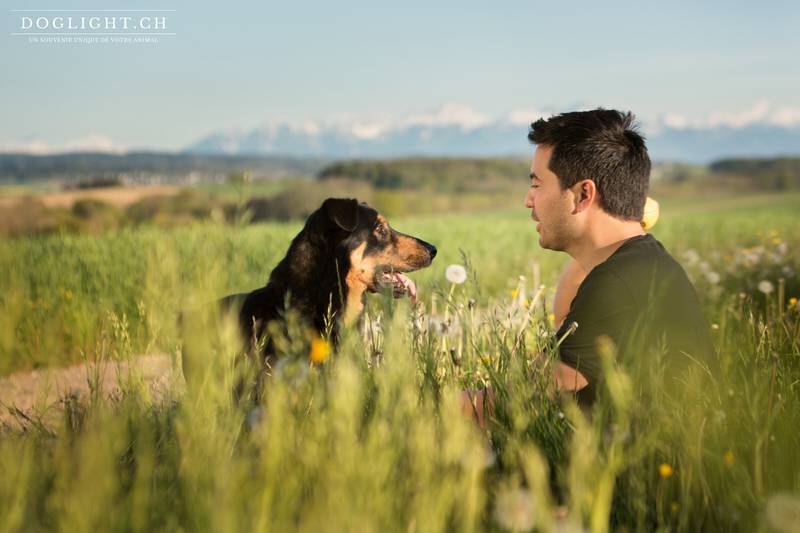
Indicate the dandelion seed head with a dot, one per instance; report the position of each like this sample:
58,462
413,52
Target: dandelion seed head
766,286
444,329
691,256
713,277
456,274
515,510
783,512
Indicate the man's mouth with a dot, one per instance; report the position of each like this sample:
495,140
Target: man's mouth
400,283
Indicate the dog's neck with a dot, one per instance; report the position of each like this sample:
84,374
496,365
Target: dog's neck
330,289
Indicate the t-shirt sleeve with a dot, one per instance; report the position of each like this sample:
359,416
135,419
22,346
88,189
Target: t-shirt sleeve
603,305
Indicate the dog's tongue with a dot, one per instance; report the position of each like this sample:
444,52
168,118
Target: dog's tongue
403,284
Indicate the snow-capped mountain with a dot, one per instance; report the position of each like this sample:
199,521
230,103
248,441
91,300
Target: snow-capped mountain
459,131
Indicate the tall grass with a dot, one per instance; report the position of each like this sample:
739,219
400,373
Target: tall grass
370,439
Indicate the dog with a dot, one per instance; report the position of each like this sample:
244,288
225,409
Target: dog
345,250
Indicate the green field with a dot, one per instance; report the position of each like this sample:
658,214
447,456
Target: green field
372,442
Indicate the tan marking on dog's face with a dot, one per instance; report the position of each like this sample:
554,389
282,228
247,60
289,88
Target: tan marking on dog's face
405,255
360,278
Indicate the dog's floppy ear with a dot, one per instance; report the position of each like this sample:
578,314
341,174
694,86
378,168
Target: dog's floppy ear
342,211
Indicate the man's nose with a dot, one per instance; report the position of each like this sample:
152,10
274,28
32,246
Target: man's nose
529,199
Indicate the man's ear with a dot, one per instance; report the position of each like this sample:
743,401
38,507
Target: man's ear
585,194
343,212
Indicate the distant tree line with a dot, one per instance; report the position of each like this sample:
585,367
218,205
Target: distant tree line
434,174
780,174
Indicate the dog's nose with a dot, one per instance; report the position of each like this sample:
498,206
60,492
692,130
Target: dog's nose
431,249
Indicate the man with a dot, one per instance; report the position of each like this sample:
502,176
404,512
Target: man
589,183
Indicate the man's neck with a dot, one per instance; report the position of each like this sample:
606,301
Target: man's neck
600,243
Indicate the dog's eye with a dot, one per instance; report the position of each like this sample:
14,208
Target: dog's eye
380,230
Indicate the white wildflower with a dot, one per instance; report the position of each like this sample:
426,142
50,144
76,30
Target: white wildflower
456,274
766,286
713,277
703,266
788,271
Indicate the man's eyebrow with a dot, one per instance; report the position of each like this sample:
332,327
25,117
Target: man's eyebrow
534,176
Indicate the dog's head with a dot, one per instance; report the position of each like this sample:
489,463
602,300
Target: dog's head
377,253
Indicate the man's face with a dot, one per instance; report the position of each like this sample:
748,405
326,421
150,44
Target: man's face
551,206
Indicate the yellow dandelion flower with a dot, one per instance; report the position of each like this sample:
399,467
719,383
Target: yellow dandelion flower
664,470
46,306
320,349
69,294
63,290
729,460
551,317
776,240
527,303
32,304
792,302
513,293
675,507
774,233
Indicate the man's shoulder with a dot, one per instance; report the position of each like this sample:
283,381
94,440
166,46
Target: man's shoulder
640,255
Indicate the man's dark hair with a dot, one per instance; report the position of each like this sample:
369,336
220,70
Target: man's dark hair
604,146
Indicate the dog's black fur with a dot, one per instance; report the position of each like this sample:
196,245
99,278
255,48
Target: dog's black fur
345,250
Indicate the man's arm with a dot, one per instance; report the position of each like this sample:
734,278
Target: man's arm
478,405
567,288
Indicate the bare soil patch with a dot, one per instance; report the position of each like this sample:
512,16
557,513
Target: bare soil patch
38,395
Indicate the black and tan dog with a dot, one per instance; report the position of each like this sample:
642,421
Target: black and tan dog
345,250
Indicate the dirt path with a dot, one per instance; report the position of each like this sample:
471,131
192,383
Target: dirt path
39,393
117,196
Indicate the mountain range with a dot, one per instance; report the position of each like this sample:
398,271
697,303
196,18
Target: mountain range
458,131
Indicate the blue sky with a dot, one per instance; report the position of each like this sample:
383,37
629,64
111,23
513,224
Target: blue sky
239,65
